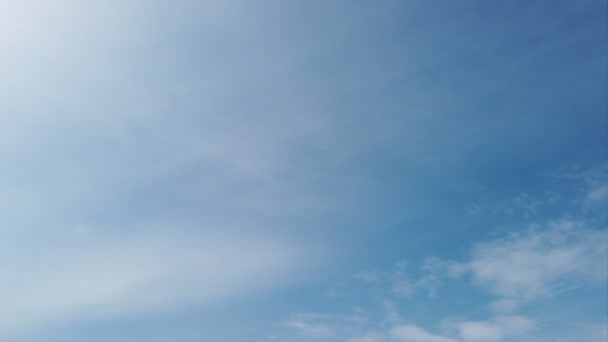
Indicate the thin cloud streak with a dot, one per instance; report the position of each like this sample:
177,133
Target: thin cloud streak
90,279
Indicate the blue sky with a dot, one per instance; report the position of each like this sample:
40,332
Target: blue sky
303,170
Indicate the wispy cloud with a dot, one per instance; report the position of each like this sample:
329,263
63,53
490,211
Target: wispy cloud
162,155
498,328
413,333
543,262
114,278
540,261
327,327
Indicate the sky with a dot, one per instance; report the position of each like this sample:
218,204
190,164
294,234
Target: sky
357,171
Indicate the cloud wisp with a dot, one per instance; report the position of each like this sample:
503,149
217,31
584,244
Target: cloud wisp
219,161
88,280
543,263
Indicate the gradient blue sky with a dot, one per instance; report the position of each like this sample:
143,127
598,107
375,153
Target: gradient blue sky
362,171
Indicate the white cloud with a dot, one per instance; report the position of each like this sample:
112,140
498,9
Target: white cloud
412,333
311,330
328,327
353,328
494,330
356,328
536,263
359,327
368,337
479,332
540,261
